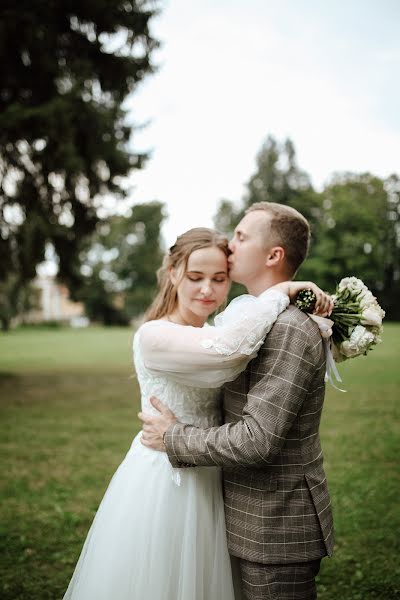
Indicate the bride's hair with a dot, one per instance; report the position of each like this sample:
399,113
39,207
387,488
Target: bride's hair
177,258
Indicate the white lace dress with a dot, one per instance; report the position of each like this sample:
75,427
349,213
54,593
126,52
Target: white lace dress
159,533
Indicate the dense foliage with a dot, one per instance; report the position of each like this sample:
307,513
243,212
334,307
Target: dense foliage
67,67
355,221
119,265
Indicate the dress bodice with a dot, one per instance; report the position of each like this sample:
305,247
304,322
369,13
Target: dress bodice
196,406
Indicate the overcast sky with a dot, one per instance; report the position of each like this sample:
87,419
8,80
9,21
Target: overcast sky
324,73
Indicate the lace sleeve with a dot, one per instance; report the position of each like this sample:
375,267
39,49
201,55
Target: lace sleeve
210,356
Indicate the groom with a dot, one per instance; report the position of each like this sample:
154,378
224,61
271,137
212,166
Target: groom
278,511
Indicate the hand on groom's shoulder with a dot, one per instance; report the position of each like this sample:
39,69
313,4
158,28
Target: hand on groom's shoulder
299,320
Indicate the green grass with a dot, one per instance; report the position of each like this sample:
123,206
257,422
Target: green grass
68,414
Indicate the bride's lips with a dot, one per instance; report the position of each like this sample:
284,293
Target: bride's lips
206,302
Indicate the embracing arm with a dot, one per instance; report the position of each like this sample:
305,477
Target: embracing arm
211,356
289,362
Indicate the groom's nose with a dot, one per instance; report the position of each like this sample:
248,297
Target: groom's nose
231,245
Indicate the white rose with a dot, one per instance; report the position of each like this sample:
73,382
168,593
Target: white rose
372,317
357,287
344,284
361,339
353,285
366,299
347,350
357,334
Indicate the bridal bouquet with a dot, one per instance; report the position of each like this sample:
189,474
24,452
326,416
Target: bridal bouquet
356,319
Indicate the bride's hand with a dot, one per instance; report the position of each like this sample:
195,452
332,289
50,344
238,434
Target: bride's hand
323,303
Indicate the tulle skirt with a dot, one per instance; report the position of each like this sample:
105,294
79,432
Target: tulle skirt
159,534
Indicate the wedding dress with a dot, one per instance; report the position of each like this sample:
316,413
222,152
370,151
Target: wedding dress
159,532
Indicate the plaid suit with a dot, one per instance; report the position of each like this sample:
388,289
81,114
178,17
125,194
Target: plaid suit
276,497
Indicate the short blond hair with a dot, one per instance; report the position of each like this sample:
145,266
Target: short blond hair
287,228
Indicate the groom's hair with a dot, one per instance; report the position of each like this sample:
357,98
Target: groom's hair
287,228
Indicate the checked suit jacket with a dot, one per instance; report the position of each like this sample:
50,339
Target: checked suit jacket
277,503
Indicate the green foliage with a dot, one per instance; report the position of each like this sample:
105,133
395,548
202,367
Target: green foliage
355,222
66,70
277,179
16,297
120,265
359,235
81,403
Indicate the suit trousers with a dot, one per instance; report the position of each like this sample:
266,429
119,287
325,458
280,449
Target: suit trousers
294,581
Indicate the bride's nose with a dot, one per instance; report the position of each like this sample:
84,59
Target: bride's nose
206,288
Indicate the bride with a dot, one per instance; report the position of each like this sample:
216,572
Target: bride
159,532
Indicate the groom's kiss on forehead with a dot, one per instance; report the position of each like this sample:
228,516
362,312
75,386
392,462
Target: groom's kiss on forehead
268,246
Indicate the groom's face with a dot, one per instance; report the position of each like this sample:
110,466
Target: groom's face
249,251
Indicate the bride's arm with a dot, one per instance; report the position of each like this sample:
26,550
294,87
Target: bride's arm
211,356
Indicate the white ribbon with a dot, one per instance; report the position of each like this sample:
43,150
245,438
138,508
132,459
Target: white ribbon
325,329
331,369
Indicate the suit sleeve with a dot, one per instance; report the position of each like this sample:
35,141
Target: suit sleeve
288,364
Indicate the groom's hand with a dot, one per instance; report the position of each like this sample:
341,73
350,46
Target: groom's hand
154,426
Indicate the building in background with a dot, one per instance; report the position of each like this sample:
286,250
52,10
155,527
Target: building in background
54,304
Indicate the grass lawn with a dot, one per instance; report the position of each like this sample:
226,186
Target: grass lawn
68,413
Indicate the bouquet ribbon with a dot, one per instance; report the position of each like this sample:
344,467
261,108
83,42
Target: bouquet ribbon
325,329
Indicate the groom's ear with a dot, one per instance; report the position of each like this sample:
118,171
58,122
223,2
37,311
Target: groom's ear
275,256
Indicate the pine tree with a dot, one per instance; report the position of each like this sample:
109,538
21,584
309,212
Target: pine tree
65,144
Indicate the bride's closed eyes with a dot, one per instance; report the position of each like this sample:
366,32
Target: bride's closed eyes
203,287
197,278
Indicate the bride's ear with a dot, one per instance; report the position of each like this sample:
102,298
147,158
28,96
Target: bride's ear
172,276
275,256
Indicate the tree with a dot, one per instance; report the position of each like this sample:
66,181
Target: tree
15,299
66,69
277,179
355,222
119,265
360,235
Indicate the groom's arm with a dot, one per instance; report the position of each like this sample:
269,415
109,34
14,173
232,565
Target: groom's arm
288,363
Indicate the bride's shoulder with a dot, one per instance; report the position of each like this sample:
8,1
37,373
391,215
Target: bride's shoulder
151,324
144,334
146,328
